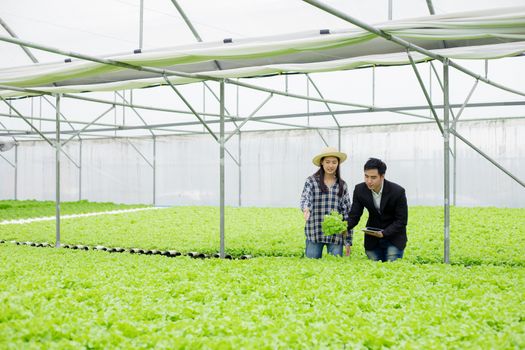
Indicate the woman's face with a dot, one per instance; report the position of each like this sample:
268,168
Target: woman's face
330,165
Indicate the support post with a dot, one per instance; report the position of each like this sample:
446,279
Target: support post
239,153
80,171
446,160
141,29
154,170
373,85
16,172
221,170
57,171
307,101
454,174
339,139
240,172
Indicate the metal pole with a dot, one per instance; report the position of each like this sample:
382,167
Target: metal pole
141,29
162,72
373,85
430,7
322,138
240,172
367,108
26,50
307,101
446,155
240,148
339,139
57,172
464,105
40,112
27,121
455,178
195,112
427,97
226,112
204,105
77,133
389,10
515,178
192,28
430,85
80,171
238,129
123,97
321,95
221,171
401,42
16,171
130,104
186,20
304,97
115,114
154,170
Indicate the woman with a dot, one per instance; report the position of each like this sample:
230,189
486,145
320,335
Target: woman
323,192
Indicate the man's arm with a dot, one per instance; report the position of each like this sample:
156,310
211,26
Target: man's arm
355,212
400,216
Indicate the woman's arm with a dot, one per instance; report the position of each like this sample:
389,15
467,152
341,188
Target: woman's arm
306,199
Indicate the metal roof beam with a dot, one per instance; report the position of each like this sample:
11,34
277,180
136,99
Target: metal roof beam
405,43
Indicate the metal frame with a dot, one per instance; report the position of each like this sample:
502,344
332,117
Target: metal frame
445,131
446,128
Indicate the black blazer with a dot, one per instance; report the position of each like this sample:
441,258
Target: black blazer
392,218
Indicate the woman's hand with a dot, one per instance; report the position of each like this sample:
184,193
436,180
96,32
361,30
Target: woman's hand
306,213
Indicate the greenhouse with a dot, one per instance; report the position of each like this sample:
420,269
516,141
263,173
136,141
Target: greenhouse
173,132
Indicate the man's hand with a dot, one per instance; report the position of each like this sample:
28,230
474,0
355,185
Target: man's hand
348,250
378,234
306,213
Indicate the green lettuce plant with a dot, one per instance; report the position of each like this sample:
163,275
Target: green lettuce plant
333,223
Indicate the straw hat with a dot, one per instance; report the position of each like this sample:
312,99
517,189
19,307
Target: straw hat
329,152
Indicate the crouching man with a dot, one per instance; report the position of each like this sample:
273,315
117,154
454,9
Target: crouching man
386,203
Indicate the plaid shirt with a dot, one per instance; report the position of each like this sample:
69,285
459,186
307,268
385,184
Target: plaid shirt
321,204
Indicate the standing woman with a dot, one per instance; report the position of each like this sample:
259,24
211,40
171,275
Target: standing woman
323,192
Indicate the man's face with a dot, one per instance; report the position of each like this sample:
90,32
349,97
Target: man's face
330,165
373,180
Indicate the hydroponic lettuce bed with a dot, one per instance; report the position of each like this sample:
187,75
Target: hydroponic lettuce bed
70,299
478,235
63,298
12,210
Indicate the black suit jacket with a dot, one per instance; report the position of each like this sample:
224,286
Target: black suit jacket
392,217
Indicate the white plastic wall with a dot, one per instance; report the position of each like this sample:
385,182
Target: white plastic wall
274,166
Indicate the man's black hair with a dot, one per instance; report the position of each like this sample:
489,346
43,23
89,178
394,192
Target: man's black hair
374,163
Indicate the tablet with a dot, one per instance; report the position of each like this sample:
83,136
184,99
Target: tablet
372,231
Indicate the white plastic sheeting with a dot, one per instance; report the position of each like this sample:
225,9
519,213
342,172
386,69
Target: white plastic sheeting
472,52
466,35
274,166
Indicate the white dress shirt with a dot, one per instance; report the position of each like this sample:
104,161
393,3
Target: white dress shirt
377,198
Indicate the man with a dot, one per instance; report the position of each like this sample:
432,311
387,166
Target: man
386,203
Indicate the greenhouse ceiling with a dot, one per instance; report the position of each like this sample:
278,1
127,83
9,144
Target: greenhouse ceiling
69,50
